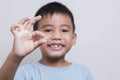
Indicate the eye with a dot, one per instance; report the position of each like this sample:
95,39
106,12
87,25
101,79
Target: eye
48,30
65,30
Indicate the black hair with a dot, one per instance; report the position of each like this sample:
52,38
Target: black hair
52,8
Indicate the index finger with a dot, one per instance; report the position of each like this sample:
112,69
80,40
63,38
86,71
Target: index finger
23,21
32,22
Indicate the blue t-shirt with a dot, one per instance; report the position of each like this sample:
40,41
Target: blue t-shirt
37,71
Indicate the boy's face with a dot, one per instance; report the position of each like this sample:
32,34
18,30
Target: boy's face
60,37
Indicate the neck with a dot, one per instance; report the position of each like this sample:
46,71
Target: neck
58,63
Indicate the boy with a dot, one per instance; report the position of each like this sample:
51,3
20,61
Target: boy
54,34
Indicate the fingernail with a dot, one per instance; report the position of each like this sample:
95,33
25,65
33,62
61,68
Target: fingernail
39,16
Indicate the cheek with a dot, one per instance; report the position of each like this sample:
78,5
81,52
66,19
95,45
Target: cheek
68,38
49,35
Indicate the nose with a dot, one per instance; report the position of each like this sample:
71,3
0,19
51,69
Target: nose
56,36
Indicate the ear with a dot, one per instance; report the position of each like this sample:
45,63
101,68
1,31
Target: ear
74,39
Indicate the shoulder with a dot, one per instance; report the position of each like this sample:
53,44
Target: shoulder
26,71
83,70
28,67
79,66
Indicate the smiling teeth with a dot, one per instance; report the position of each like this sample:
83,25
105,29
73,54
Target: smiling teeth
56,46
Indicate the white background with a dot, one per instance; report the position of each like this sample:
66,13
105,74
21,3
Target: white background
97,26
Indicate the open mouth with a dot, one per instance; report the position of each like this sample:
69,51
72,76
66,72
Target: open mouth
56,46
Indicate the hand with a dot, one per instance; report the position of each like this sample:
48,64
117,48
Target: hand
25,40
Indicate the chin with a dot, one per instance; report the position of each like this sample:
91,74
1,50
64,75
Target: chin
55,56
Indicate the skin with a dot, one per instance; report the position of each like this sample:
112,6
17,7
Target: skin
56,29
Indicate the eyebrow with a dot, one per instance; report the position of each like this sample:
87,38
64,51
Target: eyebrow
67,25
46,25
50,25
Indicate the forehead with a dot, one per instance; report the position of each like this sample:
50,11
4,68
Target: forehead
55,19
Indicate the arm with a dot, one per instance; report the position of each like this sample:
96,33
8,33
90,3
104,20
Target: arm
25,42
10,66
